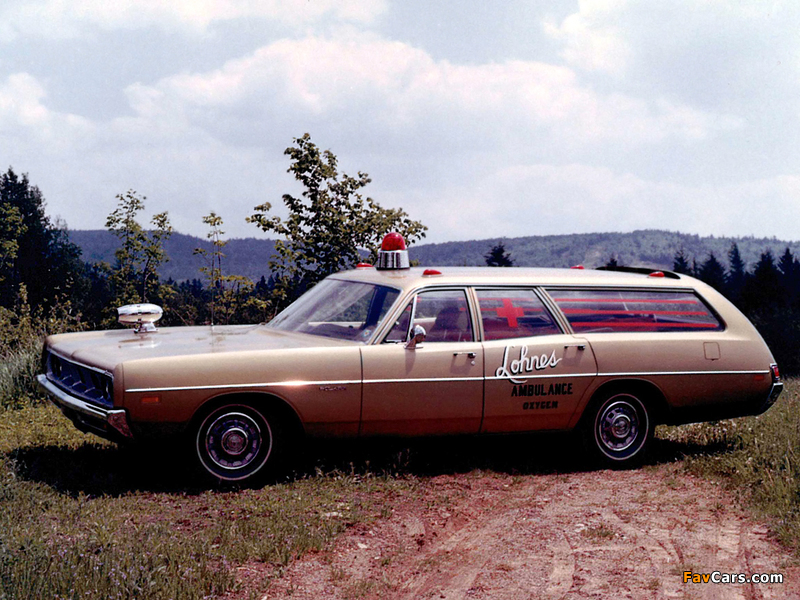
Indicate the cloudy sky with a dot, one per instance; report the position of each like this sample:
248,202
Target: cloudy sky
482,119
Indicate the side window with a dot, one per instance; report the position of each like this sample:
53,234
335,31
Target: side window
632,310
514,314
399,331
445,316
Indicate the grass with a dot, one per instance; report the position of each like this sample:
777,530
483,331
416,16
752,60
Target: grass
757,457
81,518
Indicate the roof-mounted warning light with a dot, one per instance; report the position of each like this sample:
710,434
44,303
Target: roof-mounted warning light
577,267
393,253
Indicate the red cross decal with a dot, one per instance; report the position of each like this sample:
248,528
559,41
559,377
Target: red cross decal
510,312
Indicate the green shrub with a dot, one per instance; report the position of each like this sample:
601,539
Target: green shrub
22,331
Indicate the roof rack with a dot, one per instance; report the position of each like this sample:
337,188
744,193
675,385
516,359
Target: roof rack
640,270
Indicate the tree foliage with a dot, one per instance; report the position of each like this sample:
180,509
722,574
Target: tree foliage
328,224
231,295
33,252
134,277
498,257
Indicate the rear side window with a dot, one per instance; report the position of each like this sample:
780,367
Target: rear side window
631,310
514,314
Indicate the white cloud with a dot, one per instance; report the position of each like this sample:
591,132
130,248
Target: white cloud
593,37
395,89
546,199
25,119
69,18
703,51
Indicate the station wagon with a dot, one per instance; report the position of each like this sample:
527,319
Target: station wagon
389,350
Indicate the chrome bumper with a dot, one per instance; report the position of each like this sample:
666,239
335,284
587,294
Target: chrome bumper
107,423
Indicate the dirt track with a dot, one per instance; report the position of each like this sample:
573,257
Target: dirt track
596,534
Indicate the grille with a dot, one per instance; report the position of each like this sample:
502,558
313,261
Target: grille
84,382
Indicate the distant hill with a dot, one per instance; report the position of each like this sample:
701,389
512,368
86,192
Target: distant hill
647,248
650,248
248,256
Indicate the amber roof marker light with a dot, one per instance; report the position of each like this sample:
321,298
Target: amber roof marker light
393,253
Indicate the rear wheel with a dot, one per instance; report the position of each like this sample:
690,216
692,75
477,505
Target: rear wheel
237,443
619,429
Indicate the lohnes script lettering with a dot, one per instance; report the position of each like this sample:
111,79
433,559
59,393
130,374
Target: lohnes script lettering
524,364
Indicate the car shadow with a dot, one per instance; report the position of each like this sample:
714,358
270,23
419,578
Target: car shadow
101,469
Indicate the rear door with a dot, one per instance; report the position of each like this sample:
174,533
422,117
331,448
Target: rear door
535,373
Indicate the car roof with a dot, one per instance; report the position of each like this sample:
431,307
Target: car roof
488,276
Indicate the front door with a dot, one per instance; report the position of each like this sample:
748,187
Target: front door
436,388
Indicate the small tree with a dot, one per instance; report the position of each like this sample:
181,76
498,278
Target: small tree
234,292
328,224
498,257
134,277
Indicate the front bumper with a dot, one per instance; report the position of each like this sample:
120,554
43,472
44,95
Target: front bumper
111,424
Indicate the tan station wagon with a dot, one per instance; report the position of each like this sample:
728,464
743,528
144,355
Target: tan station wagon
404,351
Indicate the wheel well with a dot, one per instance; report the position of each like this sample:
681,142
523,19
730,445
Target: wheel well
648,392
272,404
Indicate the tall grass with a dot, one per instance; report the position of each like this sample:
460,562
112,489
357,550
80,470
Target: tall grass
758,457
22,331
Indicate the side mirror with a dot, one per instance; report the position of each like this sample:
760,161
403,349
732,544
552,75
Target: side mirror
417,338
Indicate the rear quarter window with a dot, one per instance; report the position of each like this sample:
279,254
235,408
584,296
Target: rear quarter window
634,310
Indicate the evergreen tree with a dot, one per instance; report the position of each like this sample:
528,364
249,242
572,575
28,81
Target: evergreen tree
713,273
680,264
33,252
498,257
763,288
736,273
790,274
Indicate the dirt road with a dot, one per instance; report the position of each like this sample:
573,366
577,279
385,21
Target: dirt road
594,534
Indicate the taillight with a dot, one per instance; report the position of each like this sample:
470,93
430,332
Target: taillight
776,373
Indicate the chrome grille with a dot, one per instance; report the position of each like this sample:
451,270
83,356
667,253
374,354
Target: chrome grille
84,382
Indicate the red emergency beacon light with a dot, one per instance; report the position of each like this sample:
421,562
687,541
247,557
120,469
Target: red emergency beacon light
393,253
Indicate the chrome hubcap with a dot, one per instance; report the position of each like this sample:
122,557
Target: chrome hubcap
618,426
233,440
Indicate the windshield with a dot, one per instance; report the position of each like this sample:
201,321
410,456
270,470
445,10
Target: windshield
346,310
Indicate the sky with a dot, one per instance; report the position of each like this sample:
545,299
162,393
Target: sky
481,119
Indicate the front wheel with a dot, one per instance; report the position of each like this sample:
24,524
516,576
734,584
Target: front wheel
619,429
236,442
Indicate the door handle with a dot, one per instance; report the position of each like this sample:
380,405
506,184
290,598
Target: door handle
578,346
469,354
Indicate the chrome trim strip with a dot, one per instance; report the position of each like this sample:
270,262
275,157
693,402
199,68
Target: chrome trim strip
423,380
655,373
243,386
547,376
237,386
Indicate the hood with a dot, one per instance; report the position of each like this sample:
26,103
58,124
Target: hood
107,349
